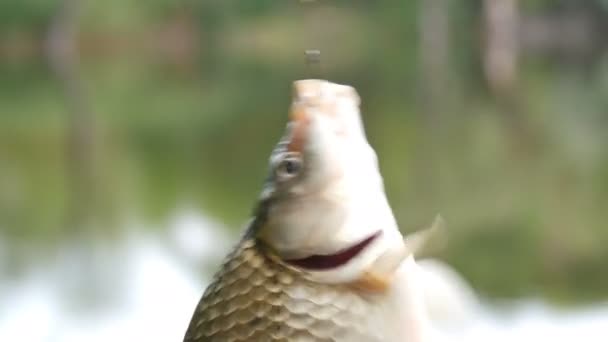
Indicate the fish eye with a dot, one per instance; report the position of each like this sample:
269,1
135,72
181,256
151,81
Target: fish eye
289,167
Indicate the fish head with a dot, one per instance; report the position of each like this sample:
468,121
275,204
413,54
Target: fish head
324,206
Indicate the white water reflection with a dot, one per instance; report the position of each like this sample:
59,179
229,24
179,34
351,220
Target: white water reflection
154,287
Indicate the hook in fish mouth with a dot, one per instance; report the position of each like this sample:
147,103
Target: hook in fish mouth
320,262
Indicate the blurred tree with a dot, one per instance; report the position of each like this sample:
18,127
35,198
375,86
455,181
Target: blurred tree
501,44
172,102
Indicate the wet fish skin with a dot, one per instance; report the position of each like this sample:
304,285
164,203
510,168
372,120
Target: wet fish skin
255,297
330,201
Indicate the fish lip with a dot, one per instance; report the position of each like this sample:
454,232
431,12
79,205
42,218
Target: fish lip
321,262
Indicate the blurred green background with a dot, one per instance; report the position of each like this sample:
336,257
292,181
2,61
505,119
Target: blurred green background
492,113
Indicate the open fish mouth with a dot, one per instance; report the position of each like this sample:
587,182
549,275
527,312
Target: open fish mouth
320,262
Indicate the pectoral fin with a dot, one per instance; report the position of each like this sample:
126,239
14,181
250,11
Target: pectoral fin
378,277
427,240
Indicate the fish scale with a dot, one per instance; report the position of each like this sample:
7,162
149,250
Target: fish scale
255,297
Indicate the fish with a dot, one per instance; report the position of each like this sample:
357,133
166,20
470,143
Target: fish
323,258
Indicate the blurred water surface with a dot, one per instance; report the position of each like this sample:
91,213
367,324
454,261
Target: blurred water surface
153,293
119,120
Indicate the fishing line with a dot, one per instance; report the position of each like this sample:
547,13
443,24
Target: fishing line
312,55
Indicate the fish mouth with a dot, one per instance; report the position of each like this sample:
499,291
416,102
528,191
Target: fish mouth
320,262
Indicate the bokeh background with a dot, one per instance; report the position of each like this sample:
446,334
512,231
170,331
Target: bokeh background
134,138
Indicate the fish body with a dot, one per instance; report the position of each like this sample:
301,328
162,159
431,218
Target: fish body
255,297
323,259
